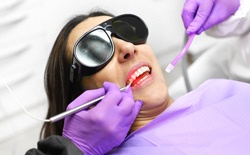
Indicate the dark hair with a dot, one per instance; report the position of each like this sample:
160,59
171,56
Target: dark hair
60,91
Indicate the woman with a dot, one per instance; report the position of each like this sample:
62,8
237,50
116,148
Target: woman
191,124
127,60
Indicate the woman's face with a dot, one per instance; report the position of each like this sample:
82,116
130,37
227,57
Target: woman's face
130,63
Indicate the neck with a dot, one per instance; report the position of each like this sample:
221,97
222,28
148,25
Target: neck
146,116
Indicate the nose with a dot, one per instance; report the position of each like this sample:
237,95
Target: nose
124,50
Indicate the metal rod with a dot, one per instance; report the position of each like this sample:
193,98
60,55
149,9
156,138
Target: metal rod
79,108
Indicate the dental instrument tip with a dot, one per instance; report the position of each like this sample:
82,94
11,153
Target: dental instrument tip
126,87
129,85
169,68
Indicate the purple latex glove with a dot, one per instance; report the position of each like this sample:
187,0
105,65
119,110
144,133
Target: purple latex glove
200,15
101,128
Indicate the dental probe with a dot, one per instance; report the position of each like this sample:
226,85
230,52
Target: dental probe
180,55
81,107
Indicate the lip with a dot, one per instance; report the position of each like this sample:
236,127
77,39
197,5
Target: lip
135,68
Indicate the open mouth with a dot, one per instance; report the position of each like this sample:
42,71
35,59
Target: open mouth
139,75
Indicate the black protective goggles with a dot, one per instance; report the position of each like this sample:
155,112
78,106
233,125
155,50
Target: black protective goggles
95,48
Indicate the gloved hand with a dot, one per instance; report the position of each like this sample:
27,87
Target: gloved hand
200,15
101,128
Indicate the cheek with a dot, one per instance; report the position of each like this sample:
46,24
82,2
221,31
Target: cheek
109,73
113,72
152,97
147,53
89,82
94,81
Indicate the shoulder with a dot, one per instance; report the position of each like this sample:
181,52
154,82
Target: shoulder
224,85
216,91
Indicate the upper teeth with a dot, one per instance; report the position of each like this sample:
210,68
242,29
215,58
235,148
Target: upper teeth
138,72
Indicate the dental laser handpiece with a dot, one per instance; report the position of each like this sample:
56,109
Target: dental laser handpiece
180,55
81,107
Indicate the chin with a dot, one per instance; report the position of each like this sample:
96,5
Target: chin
155,99
155,102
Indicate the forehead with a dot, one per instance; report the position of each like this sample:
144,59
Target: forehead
82,28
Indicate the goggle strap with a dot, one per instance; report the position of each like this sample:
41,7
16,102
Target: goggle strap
73,73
